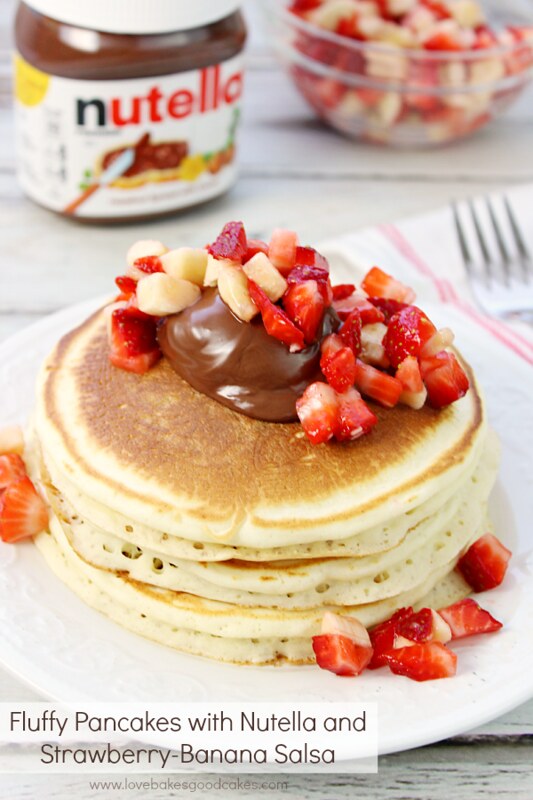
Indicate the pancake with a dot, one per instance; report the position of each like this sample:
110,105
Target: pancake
182,463
228,537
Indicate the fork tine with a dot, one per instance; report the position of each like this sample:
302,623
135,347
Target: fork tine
525,258
500,241
482,243
465,252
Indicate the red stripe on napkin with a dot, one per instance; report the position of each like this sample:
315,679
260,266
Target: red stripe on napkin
447,294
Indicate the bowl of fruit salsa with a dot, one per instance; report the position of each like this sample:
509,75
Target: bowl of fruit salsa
407,73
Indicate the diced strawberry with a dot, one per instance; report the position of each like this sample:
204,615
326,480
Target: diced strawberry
408,330
369,313
302,272
231,243
127,287
438,8
388,306
445,379
440,340
467,618
485,562
425,625
282,249
382,636
377,283
414,393
317,411
133,342
304,303
338,367
354,418
340,654
149,264
342,290
309,257
350,331
381,387
253,247
445,41
11,469
22,511
486,39
422,662
300,6
276,321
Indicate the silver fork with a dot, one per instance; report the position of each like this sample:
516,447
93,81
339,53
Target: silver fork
496,258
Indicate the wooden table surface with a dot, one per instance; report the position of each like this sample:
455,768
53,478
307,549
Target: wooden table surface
294,173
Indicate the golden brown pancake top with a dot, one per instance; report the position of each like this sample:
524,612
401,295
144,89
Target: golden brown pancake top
192,445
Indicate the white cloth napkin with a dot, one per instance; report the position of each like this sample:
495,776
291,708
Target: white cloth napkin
424,253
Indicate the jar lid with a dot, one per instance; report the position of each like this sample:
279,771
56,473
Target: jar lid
136,16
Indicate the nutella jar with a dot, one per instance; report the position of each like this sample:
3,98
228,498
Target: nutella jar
127,109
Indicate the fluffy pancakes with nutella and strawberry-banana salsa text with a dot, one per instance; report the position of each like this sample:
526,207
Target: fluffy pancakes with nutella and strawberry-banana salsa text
235,446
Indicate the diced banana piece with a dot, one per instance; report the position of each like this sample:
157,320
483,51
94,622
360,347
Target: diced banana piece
159,294
263,272
392,66
414,399
390,33
400,7
453,74
142,248
487,71
389,107
187,263
467,13
372,350
351,105
11,439
330,14
213,269
233,289
420,20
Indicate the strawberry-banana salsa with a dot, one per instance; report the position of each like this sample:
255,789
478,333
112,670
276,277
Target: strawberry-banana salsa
435,69
261,328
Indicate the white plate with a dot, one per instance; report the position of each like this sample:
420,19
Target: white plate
70,652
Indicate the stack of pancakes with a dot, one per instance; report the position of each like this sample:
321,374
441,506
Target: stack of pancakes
227,537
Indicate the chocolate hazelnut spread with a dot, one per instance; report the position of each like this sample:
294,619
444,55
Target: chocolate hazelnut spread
126,111
239,363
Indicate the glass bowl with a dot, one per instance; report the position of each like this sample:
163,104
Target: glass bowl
398,96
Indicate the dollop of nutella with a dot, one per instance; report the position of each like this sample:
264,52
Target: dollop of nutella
239,363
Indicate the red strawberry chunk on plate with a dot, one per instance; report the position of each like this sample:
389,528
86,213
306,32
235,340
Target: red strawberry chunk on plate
282,249
340,654
22,511
231,242
407,332
388,306
133,342
339,369
414,392
12,468
127,286
377,283
317,411
484,564
383,635
467,618
253,247
382,388
343,290
309,257
445,379
149,264
304,303
354,418
422,662
350,331
368,312
302,273
276,321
